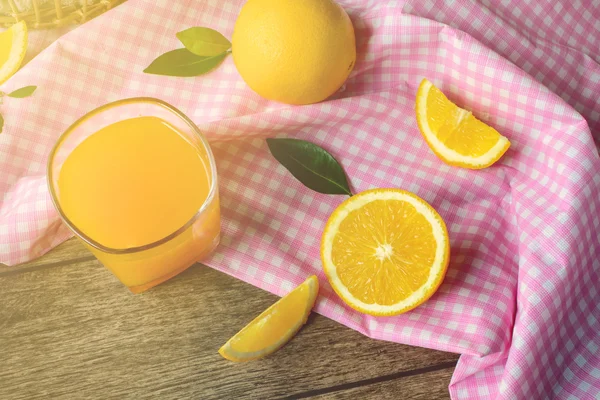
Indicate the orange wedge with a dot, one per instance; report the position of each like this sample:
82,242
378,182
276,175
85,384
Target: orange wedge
385,251
275,326
454,134
13,45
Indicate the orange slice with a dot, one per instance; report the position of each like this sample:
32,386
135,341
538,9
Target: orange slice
454,134
385,251
13,45
275,326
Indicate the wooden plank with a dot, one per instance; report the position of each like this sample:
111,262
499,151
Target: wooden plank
427,386
73,331
65,253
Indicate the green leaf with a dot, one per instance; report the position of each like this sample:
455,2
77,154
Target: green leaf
23,92
1,123
182,62
204,41
311,165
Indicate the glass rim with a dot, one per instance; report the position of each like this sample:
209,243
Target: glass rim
211,194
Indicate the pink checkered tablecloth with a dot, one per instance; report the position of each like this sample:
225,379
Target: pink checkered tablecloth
521,300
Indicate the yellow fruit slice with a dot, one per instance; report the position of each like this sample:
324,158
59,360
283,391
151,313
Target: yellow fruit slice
385,251
454,134
13,45
275,326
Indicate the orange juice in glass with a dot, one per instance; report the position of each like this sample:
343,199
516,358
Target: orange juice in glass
136,181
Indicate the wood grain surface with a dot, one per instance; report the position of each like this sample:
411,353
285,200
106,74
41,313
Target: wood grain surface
419,386
70,330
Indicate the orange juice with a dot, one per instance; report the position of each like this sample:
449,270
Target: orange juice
139,183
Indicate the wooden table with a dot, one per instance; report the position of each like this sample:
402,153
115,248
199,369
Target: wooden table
69,329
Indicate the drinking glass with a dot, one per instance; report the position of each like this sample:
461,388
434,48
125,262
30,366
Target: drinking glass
140,268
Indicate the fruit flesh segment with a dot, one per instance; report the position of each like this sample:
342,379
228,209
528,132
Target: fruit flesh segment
457,128
6,39
287,314
383,251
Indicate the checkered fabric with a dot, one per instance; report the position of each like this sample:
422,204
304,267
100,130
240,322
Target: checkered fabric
555,340
521,297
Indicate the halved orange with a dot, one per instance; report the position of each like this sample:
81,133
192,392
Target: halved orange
385,251
275,326
454,134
